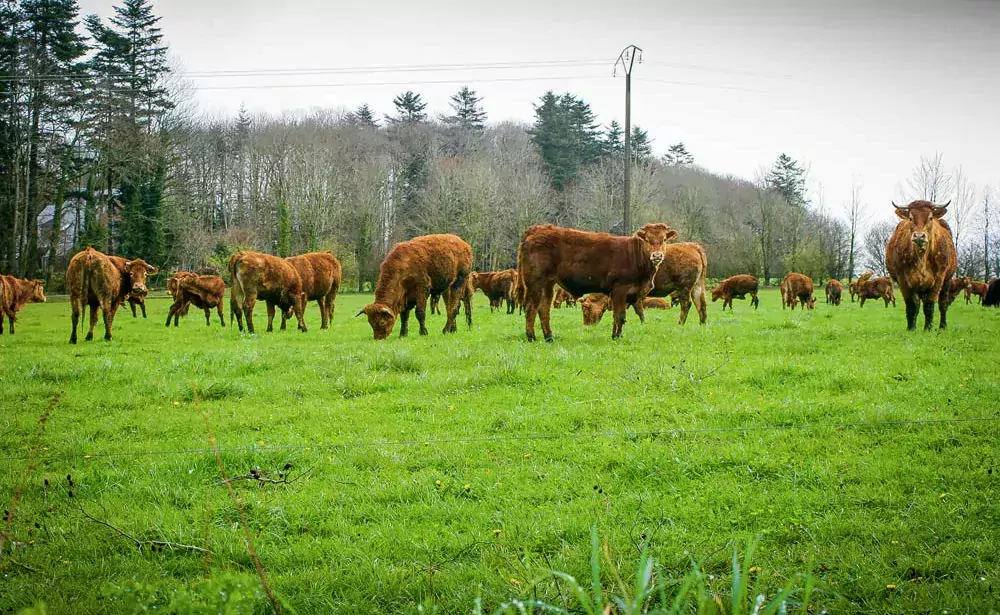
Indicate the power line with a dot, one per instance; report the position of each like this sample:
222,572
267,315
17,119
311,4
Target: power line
674,433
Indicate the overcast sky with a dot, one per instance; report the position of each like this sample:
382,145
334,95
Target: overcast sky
855,90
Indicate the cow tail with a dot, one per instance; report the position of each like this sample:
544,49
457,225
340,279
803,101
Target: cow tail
521,292
236,292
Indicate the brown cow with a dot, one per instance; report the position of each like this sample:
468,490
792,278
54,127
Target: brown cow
875,288
97,280
920,257
656,303
137,298
429,264
834,290
738,287
593,307
975,288
583,262
15,293
560,297
320,274
204,291
272,278
799,287
956,286
498,286
680,277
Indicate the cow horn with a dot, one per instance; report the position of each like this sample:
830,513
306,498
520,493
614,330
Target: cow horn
897,206
946,204
359,313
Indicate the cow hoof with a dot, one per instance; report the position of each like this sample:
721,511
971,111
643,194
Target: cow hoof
107,338
90,336
549,339
72,340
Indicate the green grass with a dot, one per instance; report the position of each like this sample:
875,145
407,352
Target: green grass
370,429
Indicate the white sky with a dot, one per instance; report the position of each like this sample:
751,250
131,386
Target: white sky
855,90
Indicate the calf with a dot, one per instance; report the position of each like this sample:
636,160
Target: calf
798,287
834,289
593,307
429,264
656,303
582,262
956,286
15,293
680,277
561,296
203,291
498,286
97,280
975,288
877,288
273,279
920,257
736,287
137,299
320,274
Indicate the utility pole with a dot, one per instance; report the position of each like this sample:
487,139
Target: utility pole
627,59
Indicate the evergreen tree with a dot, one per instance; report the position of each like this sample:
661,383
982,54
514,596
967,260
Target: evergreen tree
363,116
614,140
642,146
567,136
468,113
11,31
678,156
787,178
409,109
145,61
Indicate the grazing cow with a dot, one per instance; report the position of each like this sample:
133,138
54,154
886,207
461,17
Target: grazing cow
320,274
975,288
15,293
834,289
992,298
656,303
498,286
97,280
956,286
799,287
204,291
876,288
429,264
273,279
593,307
561,296
920,257
583,262
736,287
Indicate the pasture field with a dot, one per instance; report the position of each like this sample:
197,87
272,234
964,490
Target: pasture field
429,472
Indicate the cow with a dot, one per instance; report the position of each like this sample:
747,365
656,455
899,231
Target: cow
15,293
834,289
921,259
992,298
799,287
320,274
561,296
736,287
975,288
100,281
498,286
681,279
593,307
271,278
203,291
656,303
956,286
876,288
425,265
584,262
137,299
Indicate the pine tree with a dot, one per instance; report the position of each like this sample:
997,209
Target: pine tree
567,136
284,230
145,60
468,113
614,143
678,156
363,116
788,179
409,109
642,146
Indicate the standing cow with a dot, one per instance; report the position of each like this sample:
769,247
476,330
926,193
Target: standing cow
834,290
101,281
584,262
412,270
320,275
14,294
798,288
975,288
204,291
956,286
680,277
920,257
498,286
137,299
273,279
736,287
876,288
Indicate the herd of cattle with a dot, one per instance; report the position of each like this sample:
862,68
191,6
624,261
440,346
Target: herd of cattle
556,266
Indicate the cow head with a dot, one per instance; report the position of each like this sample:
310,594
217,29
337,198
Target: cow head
717,293
655,234
920,216
137,271
380,317
474,280
36,293
593,307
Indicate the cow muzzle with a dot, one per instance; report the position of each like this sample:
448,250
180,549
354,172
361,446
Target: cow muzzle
920,239
656,257
140,289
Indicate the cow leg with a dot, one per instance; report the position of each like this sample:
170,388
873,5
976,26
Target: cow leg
143,306
208,317
93,323
686,307
222,318
420,310
467,300
639,311
755,301
545,311
324,318
331,307
108,314
171,312
132,305
75,319
452,302
10,319
1,322
912,305
270,316
929,312
619,306
862,301
248,304
298,308
943,309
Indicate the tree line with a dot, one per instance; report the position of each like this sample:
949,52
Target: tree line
95,150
